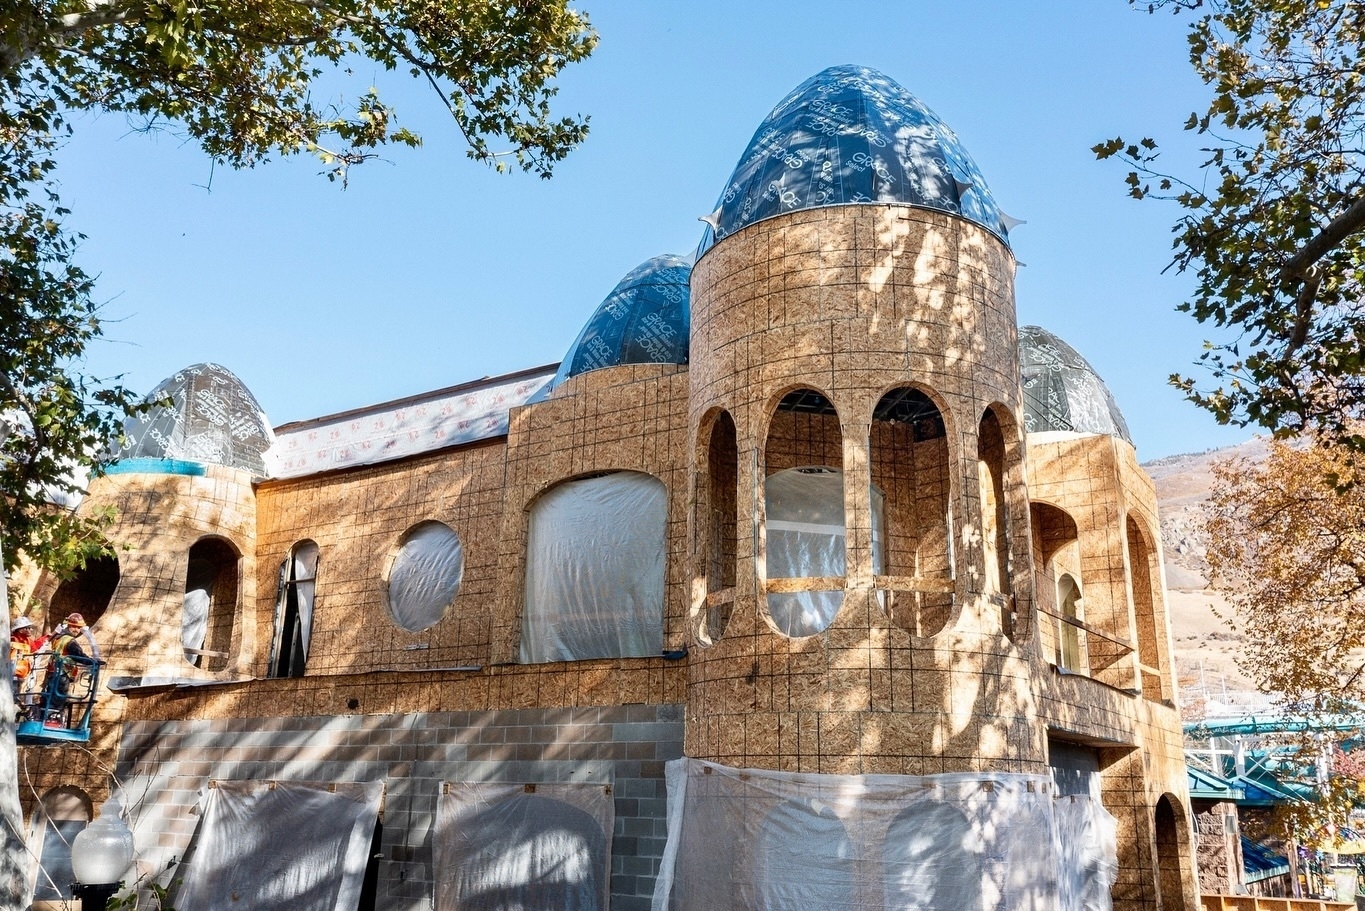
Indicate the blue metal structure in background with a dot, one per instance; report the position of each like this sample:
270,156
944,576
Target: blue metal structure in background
850,134
58,709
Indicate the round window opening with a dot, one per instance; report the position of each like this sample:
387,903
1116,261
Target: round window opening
424,577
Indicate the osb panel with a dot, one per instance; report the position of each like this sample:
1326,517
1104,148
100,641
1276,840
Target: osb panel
631,418
357,518
159,518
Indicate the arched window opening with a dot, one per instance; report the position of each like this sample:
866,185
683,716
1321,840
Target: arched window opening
595,569
422,581
927,861
909,459
61,815
719,514
1145,584
792,871
87,593
1071,652
805,534
209,611
1056,552
294,611
1170,878
994,516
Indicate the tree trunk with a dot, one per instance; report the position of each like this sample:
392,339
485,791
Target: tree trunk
13,885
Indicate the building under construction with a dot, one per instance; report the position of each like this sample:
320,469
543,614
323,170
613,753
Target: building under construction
807,580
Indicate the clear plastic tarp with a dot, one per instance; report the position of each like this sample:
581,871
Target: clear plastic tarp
208,416
849,134
425,577
783,841
194,618
514,847
595,570
282,846
806,538
1062,391
644,320
1087,854
304,571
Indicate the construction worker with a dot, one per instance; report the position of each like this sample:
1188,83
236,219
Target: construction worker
66,662
23,644
74,627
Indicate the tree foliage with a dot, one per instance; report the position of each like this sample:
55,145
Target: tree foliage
239,78
1287,545
1272,227
1287,541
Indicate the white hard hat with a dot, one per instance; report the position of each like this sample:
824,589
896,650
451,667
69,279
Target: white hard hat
21,623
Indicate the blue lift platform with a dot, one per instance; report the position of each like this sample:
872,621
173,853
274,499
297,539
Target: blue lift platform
57,709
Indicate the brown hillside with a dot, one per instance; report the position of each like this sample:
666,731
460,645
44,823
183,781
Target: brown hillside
1202,628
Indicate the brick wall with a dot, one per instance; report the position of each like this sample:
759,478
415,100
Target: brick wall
164,767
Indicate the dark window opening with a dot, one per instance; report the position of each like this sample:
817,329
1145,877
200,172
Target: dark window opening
209,610
908,454
294,611
88,593
719,512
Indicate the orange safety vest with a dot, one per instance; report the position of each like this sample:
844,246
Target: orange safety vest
20,658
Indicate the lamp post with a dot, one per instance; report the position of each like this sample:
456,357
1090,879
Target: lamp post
100,854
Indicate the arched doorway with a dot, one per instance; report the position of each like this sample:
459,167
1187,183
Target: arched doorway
1171,836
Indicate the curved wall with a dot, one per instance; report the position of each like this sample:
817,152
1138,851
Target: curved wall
852,301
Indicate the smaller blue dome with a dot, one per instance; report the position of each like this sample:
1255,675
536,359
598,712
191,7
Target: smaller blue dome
849,134
204,414
644,320
1062,391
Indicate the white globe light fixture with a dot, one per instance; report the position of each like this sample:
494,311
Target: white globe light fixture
100,854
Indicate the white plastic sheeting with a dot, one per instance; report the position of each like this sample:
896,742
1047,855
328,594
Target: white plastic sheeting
806,535
425,577
194,620
595,570
779,841
294,611
396,430
201,577
304,572
282,846
1087,852
513,847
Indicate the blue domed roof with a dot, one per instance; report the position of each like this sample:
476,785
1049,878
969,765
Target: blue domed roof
644,320
851,135
204,414
1062,391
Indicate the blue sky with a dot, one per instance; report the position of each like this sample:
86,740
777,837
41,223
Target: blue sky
431,270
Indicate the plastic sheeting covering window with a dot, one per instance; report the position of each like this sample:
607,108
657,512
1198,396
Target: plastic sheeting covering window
513,847
425,577
806,538
209,416
1062,391
781,841
282,846
294,611
644,320
595,570
849,134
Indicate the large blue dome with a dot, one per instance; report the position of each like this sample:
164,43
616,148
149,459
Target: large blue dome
851,135
644,320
